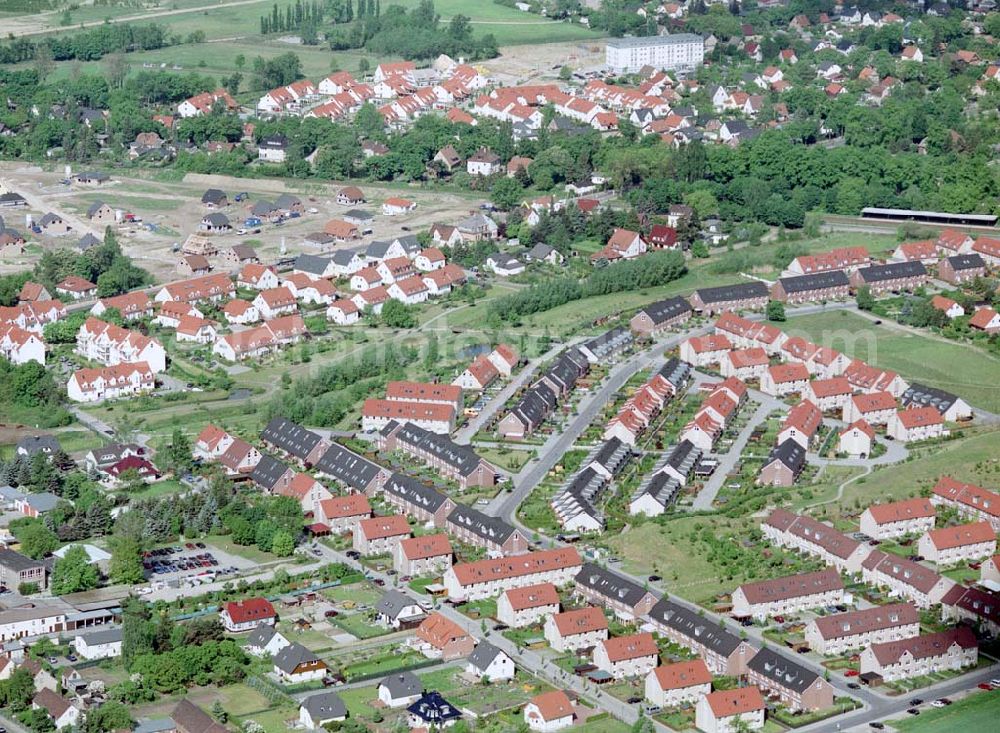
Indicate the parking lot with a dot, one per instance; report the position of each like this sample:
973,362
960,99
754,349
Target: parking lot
192,562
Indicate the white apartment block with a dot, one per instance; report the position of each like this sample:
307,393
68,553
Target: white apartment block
950,545
487,578
676,52
627,656
788,595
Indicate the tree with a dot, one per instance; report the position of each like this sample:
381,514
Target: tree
17,691
865,299
137,631
126,561
775,311
282,544
219,712
506,193
179,458
111,715
396,314
73,572
35,538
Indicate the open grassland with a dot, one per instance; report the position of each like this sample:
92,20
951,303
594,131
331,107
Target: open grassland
977,712
966,371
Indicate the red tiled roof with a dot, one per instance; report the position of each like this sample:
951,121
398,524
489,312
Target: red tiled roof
901,511
249,609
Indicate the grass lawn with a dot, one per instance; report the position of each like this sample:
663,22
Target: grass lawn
969,373
966,459
977,712
509,460
359,593
161,488
273,721
239,700
359,626
250,552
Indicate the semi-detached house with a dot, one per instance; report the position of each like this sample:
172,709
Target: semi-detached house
470,526
415,499
897,519
950,545
722,651
905,578
680,683
380,535
623,597
971,501
622,657
791,594
423,555
581,628
812,537
531,604
796,687
487,578
842,632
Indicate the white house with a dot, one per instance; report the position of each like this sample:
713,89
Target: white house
103,644
725,711
489,663
400,689
549,711
265,641
531,604
627,656
316,711
247,614
580,628
681,683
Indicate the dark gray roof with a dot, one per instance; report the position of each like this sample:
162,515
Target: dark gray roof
261,635
95,207
377,249
402,684
612,455
344,257
662,487
921,395
736,291
789,453
104,636
325,706
483,655
17,562
214,196
676,372
274,142
413,492
460,457
292,656
43,502
491,529
610,585
683,457
33,444
110,454
392,603
87,241
434,709
782,671
11,198
216,219
263,208
312,264
348,467
359,215
287,201
966,262
267,473
815,281
610,341
580,496
892,271
539,252
664,310
695,627
410,243
290,437
49,218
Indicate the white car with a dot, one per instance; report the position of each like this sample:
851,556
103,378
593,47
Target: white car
995,681
937,704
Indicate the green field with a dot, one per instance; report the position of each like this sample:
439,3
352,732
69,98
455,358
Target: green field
977,712
968,372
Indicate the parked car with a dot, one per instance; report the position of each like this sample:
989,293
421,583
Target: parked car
876,725
913,711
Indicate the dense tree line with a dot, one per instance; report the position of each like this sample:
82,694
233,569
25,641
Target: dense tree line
89,45
656,268
414,34
326,397
29,387
273,523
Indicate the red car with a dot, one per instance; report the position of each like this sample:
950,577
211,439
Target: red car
985,686
851,673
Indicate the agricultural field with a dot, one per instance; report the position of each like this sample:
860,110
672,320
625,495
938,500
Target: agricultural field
968,372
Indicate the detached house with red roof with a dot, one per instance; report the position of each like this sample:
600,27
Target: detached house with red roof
876,408
441,638
950,545
248,614
724,710
549,711
275,302
985,319
916,423
380,535
531,604
898,518
627,656
781,380
856,439
423,555
947,306
802,424
581,628
681,683
624,244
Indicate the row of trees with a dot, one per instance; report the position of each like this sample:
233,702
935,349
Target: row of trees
88,45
